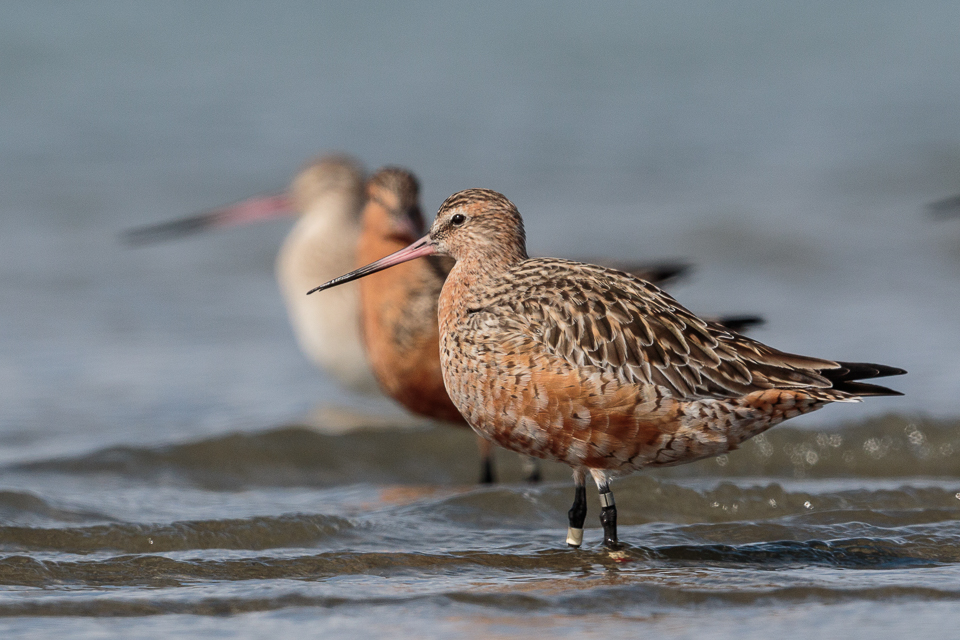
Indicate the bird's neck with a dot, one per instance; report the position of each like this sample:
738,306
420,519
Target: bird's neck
467,283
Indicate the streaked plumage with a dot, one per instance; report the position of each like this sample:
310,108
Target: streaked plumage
596,368
399,306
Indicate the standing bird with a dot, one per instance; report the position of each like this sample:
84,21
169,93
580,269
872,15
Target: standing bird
596,368
398,308
328,194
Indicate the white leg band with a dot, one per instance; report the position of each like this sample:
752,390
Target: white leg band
606,500
574,537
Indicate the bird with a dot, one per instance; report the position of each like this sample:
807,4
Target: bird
398,308
346,219
331,194
595,368
328,194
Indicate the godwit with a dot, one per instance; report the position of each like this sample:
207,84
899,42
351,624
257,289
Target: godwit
399,306
328,193
595,368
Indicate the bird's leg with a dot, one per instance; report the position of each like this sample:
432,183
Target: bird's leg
486,460
578,512
486,470
608,518
608,509
532,469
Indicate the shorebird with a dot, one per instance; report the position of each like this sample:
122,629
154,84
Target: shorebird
328,194
399,307
596,368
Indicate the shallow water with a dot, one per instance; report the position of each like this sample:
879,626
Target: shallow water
311,533
171,465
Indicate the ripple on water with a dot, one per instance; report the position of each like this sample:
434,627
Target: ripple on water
391,521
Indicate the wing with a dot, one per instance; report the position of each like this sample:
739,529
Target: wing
590,316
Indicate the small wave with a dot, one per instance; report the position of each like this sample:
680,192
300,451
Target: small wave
23,507
290,456
890,447
856,553
623,602
643,499
250,533
909,551
886,447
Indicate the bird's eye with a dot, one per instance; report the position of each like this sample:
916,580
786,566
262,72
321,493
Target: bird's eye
458,219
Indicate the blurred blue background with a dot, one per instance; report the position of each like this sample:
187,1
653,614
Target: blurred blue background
785,149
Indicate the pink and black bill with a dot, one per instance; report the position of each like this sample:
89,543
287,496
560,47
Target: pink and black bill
253,209
422,247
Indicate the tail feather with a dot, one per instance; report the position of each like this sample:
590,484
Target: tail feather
659,273
846,378
739,323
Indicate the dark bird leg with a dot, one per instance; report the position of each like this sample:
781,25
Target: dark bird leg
486,460
532,469
578,512
608,518
608,509
486,470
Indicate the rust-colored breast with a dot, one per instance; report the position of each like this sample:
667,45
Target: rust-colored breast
400,332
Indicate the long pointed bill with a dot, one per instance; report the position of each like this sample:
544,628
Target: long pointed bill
253,209
422,247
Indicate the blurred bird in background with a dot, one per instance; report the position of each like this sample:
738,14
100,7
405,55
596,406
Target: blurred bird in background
383,331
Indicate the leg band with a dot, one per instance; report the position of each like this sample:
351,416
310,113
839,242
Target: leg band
574,536
606,500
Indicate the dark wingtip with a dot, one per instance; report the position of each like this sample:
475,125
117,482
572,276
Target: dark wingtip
846,377
946,207
864,389
667,271
866,370
657,273
741,323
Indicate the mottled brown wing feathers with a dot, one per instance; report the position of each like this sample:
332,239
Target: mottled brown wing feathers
592,316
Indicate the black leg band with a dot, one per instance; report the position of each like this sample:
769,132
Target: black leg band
608,518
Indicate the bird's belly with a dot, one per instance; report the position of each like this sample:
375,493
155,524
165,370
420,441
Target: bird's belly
598,422
561,415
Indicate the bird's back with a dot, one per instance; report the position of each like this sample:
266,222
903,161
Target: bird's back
594,367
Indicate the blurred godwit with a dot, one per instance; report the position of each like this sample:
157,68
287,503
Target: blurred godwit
328,194
595,368
399,306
